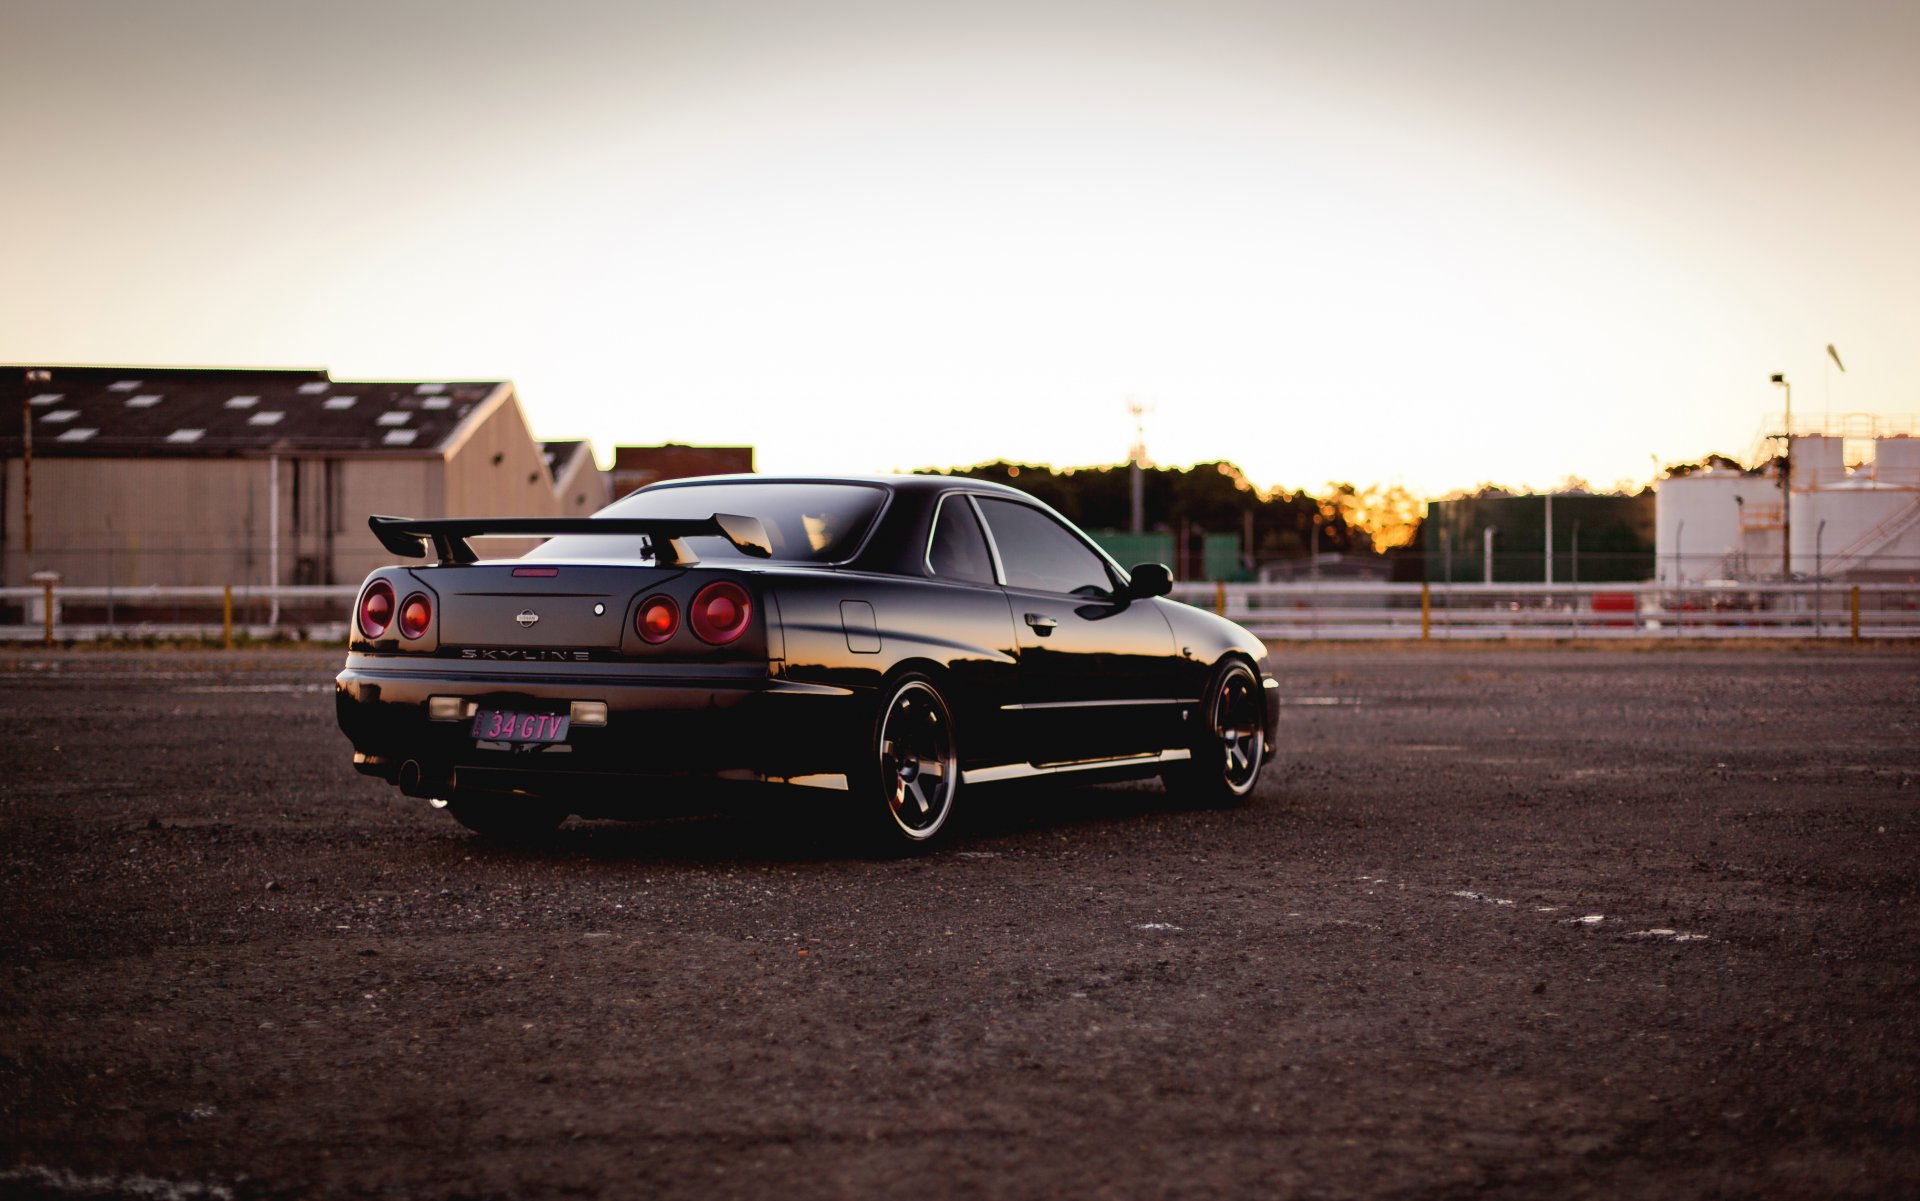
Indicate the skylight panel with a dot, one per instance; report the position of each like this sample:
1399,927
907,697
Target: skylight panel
340,404
400,437
60,415
77,434
394,418
125,385
436,402
242,402
430,389
266,417
314,389
185,435
144,401
47,398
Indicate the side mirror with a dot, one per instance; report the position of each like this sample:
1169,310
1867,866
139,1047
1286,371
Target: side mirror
1150,579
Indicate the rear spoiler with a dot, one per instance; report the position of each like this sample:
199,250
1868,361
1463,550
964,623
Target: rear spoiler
409,537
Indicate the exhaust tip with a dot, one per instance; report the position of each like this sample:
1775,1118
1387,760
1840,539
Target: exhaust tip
410,779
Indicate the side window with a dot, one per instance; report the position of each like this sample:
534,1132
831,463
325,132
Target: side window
958,550
1038,552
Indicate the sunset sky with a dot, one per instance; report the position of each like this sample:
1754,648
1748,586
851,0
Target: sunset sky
1381,241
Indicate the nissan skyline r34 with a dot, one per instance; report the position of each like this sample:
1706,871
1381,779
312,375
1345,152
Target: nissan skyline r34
892,642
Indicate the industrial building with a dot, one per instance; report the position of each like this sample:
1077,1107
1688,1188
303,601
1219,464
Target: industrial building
136,476
1852,512
637,466
582,488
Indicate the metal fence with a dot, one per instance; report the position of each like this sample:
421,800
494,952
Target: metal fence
1303,611
1514,611
52,613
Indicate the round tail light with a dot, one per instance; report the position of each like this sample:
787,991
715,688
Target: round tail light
720,612
376,609
415,615
656,620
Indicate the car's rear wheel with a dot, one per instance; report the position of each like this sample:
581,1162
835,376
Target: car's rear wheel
504,816
903,794
1228,746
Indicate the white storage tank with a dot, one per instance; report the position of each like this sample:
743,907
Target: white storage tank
1896,461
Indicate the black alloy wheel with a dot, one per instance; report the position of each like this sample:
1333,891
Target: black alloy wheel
916,768
1229,745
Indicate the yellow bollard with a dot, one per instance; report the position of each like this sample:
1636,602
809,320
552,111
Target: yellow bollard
47,613
1426,611
1220,597
1856,614
226,619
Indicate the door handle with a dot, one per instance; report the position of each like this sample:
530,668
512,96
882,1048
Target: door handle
1041,623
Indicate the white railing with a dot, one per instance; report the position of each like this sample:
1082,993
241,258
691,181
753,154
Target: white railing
1325,610
1334,610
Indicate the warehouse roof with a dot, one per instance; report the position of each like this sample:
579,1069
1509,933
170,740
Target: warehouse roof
560,454
119,412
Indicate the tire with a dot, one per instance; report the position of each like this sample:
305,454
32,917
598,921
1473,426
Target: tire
1228,743
505,817
903,791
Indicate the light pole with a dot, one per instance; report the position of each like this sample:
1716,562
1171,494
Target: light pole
1486,554
1740,536
34,376
1819,576
1786,486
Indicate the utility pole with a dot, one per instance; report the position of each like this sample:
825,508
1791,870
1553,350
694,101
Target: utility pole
1786,487
1486,554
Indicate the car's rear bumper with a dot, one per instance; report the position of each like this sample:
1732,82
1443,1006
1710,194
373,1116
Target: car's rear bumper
718,721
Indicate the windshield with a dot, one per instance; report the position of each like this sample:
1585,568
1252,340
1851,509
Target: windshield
807,523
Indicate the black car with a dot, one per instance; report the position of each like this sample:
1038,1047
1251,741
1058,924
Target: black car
891,640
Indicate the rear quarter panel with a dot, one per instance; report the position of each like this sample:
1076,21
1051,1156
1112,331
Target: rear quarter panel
960,635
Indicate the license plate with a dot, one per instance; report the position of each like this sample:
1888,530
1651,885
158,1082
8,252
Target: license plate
506,725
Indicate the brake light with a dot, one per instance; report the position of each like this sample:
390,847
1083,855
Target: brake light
720,612
415,615
376,609
658,617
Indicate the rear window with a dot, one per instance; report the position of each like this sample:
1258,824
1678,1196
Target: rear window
807,523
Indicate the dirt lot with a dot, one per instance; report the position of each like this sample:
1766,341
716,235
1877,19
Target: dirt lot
1512,923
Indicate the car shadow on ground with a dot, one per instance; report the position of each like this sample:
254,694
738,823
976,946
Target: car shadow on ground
778,825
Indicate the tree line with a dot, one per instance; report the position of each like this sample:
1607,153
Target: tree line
1218,498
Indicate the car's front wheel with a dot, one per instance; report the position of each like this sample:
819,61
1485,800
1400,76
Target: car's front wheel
1228,745
903,793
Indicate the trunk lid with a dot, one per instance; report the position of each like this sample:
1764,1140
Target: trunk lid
544,605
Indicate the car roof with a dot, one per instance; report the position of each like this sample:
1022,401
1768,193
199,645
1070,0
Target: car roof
898,483
897,542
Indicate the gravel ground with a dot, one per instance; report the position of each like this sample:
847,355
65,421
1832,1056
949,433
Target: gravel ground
1525,923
